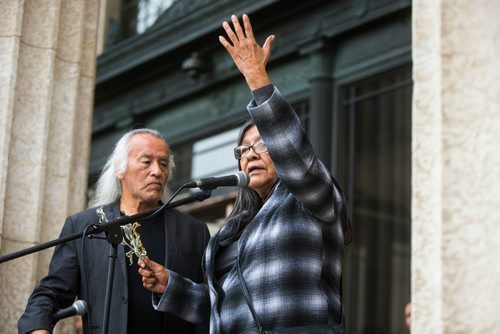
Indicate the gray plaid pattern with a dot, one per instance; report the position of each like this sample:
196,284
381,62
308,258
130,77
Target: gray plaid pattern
290,253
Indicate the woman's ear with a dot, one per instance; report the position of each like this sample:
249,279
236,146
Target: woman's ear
119,175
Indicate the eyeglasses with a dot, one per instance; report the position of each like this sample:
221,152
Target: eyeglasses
242,151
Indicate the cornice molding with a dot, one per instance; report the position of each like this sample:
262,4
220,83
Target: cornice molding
180,25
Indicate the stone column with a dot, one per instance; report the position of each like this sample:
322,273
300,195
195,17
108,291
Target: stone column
47,76
456,167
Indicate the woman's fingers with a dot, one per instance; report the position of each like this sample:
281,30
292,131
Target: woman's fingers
230,33
248,27
237,27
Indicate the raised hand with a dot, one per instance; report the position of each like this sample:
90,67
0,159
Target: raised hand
250,58
154,275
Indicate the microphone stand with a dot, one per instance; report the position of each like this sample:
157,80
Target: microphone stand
114,236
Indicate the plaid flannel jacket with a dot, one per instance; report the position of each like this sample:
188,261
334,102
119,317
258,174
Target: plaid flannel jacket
290,253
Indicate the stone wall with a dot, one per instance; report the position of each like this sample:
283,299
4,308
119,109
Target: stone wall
456,167
47,76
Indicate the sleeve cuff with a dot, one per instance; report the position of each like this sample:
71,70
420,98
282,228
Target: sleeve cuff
263,94
160,301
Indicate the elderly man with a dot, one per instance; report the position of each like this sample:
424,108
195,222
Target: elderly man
133,180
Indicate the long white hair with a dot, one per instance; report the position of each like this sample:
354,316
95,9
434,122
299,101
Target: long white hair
108,186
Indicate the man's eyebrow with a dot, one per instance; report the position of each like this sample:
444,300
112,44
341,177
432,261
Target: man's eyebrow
151,156
146,155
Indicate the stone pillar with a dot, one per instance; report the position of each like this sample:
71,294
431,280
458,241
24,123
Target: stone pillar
456,167
47,77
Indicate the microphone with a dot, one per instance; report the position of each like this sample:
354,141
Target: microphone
239,179
78,307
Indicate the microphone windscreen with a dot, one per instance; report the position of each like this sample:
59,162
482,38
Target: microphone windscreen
243,179
81,307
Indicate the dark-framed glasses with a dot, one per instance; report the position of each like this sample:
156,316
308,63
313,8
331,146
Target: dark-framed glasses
242,151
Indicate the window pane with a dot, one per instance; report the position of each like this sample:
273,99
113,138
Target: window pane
376,162
213,156
148,12
131,17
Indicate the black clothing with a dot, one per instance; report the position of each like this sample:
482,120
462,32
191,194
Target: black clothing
74,272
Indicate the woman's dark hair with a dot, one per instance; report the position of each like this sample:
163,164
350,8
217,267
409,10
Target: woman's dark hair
249,201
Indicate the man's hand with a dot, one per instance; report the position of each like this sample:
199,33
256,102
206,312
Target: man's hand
249,57
154,275
40,331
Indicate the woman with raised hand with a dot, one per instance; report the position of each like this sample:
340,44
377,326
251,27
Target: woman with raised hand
276,263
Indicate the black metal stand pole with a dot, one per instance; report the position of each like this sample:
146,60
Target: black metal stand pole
109,286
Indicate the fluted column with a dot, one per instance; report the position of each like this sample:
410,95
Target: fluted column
47,75
456,167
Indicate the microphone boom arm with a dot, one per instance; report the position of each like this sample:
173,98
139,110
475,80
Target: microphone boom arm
200,196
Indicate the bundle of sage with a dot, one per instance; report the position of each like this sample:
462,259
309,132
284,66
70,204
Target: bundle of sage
131,237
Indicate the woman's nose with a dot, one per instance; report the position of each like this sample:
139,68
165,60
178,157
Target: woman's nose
252,155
